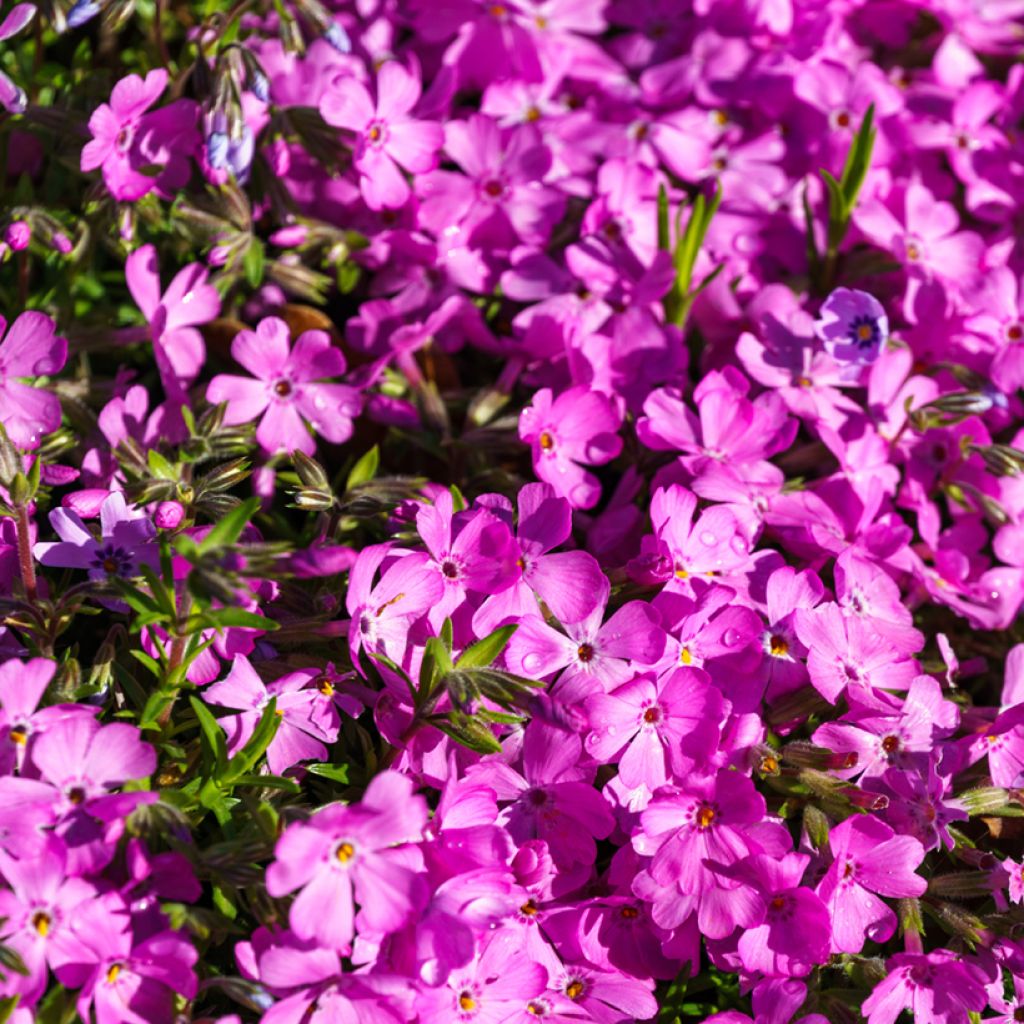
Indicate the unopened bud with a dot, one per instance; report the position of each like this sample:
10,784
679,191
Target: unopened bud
168,515
984,800
18,235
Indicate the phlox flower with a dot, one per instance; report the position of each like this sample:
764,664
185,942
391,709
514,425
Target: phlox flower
306,702
656,729
289,390
125,542
12,97
126,978
853,326
127,139
938,987
358,853
388,137
174,314
576,429
31,348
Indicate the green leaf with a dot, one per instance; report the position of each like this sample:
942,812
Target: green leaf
447,633
7,1006
245,760
334,772
229,529
252,263
159,466
226,618
158,702
213,734
664,242
858,159
268,782
364,470
470,733
458,501
483,652
10,960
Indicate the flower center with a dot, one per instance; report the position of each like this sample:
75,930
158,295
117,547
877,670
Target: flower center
629,913
843,119
546,441
778,646
913,253
532,114
864,332
778,903
375,133
652,715
537,797
891,744
497,10
529,908
575,989
684,655
112,560
705,816
325,686
124,139
345,852
283,388
449,569
466,1001
41,922
585,653
112,973
76,795
1014,332
494,188
19,735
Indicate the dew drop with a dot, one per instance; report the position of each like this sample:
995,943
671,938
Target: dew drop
708,538
531,662
730,637
738,544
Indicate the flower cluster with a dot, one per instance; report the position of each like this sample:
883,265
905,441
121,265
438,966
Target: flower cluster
512,510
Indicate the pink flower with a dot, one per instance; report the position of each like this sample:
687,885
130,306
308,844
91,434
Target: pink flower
174,315
388,138
579,428
357,853
288,391
868,859
126,139
12,97
30,349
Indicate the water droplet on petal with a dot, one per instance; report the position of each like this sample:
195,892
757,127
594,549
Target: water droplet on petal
531,662
738,544
730,637
708,538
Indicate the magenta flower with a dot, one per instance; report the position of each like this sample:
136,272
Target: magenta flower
500,199
588,651
173,315
656,729
30,349
853,326
382,614
577,429
38,908
570,583
938,987
358,853
126,978
793,936
127,139
471,551
305,701
125,542
388,137
500,981
869,860
711,820
288,391
22,721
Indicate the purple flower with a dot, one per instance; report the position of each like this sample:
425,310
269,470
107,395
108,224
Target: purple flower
388,137
12,97
288,391
126,139
577,429
853,326
868,859
359,853
126,541
31,348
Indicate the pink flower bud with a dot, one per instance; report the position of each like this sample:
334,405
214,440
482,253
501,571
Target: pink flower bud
18,235
168,514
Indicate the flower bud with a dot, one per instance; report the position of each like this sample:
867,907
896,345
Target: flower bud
18,235
169,515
